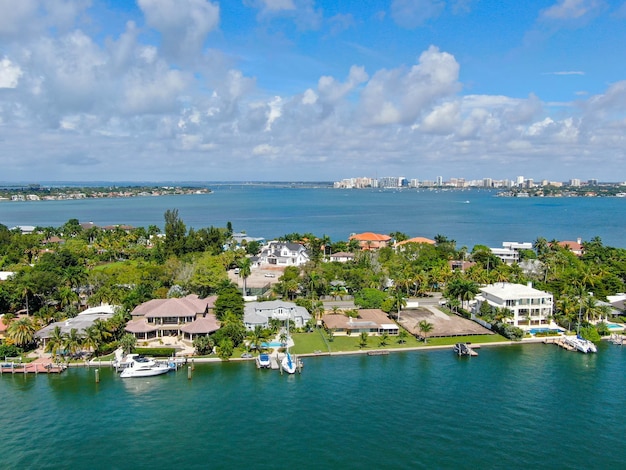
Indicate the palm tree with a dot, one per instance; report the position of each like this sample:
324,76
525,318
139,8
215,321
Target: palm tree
384,339
245,269
257,337
128,343
22,331
402,336
363,339
399,300
54,343
92,339
425,327
73,342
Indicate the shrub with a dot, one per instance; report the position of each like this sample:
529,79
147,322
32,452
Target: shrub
158,352
508,331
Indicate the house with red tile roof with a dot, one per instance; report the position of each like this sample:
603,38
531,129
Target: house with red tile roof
371,241
424,240
575,247
188,317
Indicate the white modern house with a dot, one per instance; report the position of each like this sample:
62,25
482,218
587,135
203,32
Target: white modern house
531,307
260,314
509,253
283,254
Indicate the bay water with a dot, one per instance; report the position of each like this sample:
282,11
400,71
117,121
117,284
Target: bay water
520,406
470,217
512,407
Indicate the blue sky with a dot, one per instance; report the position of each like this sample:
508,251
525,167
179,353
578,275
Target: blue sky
162,90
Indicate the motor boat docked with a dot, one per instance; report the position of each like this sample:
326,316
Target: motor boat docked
288,364
140,366
264,361
463,349
580,344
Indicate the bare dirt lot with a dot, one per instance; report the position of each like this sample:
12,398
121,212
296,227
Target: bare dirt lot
443,324
259,277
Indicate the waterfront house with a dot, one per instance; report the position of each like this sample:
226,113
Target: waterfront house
370,240
423,240
531,307
575,247
80,322
260,314
372,321
510,251
187,317
341,257
283,254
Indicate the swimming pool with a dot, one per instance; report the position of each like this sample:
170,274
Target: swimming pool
612,326
273,344
534,331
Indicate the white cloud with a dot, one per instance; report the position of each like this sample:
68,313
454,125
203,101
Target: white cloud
571,9
10,74
443,119
183,24
413,13
400,96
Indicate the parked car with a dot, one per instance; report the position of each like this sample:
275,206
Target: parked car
269,275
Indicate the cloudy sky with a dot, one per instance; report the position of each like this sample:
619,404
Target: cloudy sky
311,90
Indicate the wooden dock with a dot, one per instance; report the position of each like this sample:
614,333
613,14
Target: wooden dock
38,366
560,342
378,352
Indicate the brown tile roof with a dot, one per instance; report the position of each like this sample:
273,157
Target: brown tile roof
417,240
184,307
202,325
140,325
370,236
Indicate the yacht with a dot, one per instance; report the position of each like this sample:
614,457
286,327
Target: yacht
580,344
139,366
288,364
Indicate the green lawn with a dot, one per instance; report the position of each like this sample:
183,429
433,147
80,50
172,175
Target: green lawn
307,343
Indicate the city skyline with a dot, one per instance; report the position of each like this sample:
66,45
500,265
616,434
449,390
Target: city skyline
311,90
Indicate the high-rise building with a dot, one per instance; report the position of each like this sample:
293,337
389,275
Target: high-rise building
439,180
574,182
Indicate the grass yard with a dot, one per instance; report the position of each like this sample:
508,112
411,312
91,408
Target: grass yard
308,343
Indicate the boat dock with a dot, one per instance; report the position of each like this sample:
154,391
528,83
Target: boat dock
38,366
560,342
618,340
378,353
465,349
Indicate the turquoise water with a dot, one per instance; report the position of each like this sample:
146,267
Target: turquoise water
273,212
615,327
273,344
534,331
530,406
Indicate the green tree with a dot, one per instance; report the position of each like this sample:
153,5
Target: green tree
73,342
384,339
54,344
245,269
203,345
402,336
424,328
257,337
175,233
22,332
128,343
230,300
363,339
225,349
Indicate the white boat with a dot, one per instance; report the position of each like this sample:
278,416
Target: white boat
580,344
139,366
264,361
288,364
